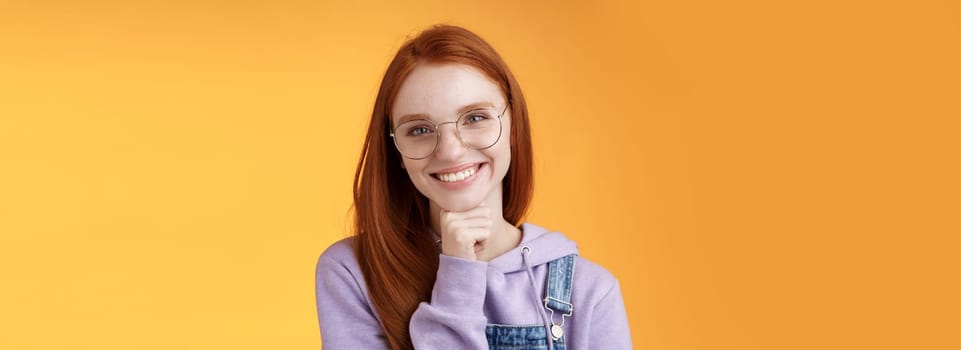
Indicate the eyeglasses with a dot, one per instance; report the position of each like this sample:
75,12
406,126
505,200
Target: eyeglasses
478,129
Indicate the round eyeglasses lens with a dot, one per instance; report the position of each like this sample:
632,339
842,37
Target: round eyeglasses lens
415,138
478,129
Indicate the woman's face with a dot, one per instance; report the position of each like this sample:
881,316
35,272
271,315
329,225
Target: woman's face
455,177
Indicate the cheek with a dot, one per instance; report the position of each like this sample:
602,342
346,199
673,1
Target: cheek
413,168
502,155
505,157
506,146
412,165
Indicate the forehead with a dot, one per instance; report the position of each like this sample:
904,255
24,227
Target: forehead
440,90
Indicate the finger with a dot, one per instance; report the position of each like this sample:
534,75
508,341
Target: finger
453,227
469,238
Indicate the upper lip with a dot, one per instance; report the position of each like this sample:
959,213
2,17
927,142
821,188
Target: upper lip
456,168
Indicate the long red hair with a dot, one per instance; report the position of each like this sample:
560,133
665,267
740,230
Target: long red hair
392,220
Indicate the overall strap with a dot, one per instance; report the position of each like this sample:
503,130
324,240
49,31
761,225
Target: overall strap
560,277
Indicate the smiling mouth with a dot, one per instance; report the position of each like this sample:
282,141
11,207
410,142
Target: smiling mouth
458,176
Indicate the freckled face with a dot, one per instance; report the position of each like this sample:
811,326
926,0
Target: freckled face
455,177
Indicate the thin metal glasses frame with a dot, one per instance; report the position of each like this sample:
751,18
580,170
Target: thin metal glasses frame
436,127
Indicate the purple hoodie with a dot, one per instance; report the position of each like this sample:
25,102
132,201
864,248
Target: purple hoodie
468,295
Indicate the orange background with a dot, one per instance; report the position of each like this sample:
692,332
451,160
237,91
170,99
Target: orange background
758,174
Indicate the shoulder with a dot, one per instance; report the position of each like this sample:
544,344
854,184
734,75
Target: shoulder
338,270
340,250
339,258
598,280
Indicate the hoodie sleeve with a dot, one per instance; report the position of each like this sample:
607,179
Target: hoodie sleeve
346,319
454,317
610,319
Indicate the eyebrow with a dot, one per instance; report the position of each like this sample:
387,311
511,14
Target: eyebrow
460,111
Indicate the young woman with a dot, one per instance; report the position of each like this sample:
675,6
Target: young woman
440,258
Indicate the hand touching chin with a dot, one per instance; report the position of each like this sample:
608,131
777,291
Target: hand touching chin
464,233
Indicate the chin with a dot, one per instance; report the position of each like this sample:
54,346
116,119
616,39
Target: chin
458,203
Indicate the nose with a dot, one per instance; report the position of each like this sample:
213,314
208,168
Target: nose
449,145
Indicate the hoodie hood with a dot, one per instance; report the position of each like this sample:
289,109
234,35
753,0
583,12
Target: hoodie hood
506,288
543,246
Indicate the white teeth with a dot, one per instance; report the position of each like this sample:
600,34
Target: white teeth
458,176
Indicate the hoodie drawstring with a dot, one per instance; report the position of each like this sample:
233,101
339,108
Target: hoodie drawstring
525,251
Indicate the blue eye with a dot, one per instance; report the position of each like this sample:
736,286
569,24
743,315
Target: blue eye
475,118
417,131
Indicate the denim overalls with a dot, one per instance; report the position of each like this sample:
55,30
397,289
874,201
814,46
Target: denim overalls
558,301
